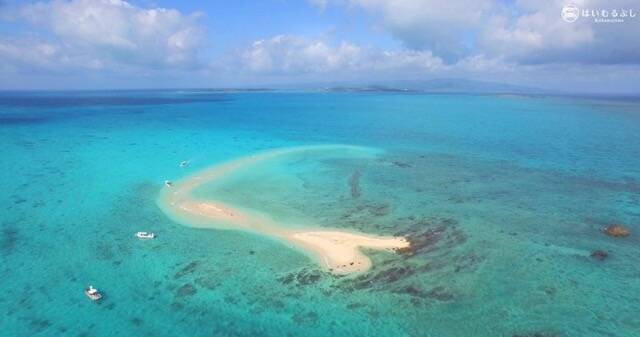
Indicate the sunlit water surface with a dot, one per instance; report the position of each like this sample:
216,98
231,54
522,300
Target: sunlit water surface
506,195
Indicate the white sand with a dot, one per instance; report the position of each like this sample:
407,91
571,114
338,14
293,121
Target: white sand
337,251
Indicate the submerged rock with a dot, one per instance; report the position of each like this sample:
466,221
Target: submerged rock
599,255
616,230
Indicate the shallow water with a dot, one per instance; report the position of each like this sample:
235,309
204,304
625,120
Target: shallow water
507,194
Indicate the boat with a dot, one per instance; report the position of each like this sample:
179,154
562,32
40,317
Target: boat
93,293
146,235
168,183
184,163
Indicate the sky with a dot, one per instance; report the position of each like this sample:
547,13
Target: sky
116,44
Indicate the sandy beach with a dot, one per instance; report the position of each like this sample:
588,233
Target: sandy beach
336,251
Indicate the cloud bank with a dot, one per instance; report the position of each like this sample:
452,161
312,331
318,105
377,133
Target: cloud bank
294,55
102,34
525,42
525,31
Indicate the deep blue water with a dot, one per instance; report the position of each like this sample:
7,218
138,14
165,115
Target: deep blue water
509,194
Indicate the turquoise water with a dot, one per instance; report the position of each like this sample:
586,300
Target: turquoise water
507,194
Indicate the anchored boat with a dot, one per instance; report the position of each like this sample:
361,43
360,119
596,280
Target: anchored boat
93,293
146,235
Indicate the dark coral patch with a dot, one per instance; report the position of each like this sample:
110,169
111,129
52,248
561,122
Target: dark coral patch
40,324
18,201
431,236
308,317
186,270
375,209
536,334
177,306
208,282
410,290
302,278
440,294
8,240
354,184
186,290
104,251
353,306
419,242
437,293
401,164
385,276
423,240
599,255
467,262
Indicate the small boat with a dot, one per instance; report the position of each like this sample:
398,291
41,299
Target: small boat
168,183
93,293
146,235
184,163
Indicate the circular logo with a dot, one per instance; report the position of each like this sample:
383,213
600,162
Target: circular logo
570,13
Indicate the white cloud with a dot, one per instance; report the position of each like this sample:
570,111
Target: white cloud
524,41
105,34
524,31
292,54
444,27
298,56
289,58
36,55
539,35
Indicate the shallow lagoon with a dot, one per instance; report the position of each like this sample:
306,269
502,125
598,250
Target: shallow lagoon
506,193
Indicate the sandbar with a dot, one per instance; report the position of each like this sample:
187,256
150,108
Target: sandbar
337,251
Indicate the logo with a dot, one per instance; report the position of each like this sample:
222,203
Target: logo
570,13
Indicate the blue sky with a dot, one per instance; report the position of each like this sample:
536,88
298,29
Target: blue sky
78,44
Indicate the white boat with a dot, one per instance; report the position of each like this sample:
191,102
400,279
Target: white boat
168,183
146,235
93,293
184,163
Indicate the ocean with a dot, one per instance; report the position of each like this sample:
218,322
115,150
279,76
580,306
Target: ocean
504,197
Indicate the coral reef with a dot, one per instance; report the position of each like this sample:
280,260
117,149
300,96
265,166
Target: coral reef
599,255
616,230
354,184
